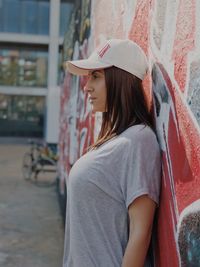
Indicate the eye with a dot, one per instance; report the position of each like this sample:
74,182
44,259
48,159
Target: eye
94,76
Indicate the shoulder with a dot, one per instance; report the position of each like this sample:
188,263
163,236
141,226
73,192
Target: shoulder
139,133
141,141
134,138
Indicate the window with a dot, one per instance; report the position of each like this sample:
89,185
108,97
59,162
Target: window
21,115
24,16
66,9
23,66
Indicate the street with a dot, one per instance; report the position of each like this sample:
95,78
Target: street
31,228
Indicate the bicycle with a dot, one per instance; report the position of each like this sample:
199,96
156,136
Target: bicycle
41,158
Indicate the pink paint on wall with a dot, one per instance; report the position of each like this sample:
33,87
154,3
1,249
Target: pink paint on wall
107,20
139,31
184,40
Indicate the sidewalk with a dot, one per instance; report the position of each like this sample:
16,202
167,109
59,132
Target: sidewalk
31,229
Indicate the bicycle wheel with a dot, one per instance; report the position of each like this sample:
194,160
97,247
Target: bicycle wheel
46,172
27,166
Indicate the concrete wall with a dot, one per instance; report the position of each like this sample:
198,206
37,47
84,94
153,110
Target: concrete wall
169,33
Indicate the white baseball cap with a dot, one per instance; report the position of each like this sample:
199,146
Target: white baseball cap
123,54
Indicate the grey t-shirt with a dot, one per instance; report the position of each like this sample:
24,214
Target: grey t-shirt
101,186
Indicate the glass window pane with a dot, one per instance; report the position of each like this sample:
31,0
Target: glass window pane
10,15
43,17
65,13
28,16
23,67
24,16
1,15
21,115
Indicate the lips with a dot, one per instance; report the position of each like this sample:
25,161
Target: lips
92,98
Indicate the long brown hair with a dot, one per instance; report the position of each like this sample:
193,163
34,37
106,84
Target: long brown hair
126,105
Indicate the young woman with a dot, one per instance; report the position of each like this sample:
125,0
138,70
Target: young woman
113,189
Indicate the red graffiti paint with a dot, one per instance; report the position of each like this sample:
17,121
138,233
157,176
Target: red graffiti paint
85,120
139,33
179,141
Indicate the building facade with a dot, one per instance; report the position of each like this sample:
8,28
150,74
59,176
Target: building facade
31,36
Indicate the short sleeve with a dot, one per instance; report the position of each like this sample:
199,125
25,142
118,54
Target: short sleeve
143,168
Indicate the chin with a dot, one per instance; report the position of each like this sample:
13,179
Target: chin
95,109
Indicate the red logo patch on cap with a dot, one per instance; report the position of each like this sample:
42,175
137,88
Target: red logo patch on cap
102,52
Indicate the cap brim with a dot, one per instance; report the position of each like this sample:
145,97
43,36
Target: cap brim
82,67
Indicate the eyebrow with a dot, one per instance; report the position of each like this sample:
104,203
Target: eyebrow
96,71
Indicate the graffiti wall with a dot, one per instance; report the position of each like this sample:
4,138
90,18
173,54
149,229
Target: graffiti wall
169,33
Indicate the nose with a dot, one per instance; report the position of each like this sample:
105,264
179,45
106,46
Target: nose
88,88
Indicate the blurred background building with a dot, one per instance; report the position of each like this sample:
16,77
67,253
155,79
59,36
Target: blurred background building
31,37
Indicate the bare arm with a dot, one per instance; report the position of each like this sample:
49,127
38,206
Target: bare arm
141,214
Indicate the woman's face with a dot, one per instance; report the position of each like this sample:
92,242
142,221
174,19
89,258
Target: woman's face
96,90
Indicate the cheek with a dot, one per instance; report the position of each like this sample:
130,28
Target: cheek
103,91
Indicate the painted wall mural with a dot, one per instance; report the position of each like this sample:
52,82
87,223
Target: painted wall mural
74,112
169,33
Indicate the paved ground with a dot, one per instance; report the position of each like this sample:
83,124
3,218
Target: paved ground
31,229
